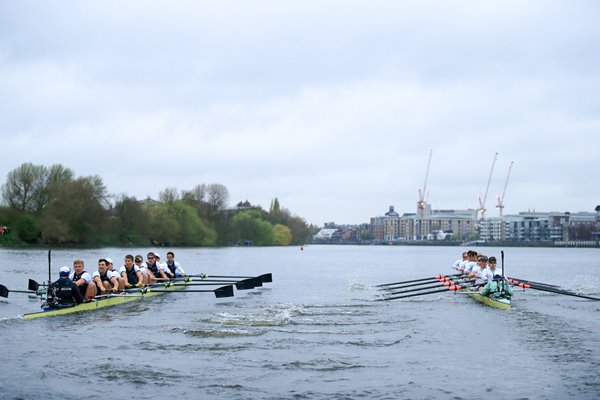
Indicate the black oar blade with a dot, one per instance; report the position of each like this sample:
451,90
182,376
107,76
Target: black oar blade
3,291
224,291
266,278
257,282
245,284
33,285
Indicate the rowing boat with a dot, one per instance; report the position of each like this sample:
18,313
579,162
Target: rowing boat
107,300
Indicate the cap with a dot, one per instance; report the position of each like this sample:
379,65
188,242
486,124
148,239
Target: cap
492,260
64,271
157,255
139,258
109,260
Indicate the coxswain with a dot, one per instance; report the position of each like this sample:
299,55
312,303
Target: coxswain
173,266
130,273
105,281
64,292
83,280
497,288
154,266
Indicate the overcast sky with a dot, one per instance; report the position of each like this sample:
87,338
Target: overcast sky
330,106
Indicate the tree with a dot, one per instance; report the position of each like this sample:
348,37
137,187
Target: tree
179,224
130,223
169,195
217,197
24,186
249,226
283,235
76,213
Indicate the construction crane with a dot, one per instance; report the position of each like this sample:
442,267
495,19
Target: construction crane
500,204
482,203
423,191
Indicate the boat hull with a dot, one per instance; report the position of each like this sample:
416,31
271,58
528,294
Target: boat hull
104,302
503,304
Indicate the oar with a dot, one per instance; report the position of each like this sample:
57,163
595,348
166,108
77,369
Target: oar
244,284
428,282
4,291
453,288
417,280
519,280
446,284
549,290
250,281
224,291
266,278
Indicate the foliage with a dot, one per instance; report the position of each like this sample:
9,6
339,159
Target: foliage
52,206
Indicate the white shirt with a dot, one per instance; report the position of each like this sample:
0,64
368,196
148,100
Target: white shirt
487,274
110,274
85,276
178,270
124,269
470,265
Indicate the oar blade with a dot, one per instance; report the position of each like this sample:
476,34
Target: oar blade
3,291
224,291
266,278
245,284
33,285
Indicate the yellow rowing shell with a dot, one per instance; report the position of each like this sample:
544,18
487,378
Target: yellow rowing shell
104,301
503,304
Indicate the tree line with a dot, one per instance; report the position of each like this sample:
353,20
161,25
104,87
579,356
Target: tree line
51,206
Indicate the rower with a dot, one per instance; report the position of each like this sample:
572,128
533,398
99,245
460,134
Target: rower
488,273
477,270
155,267
147,276
115,273
471,262
83,280
163,265
173,266
130,273
64,292
460,262
104,280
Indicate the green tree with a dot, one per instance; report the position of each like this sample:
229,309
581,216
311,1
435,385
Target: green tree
179,224
24,186
130,223
76,213
283,235
249,226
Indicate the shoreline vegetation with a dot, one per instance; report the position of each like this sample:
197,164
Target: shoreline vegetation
49,206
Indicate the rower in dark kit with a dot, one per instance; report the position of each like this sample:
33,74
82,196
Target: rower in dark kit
155,267
64,292
174,266
130,273
104,280
83,280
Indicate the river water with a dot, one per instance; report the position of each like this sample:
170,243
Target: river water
313,333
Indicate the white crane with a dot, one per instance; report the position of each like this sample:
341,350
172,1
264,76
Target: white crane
423,191
482,203
500,204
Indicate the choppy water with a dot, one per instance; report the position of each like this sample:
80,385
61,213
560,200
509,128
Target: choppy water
312,333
